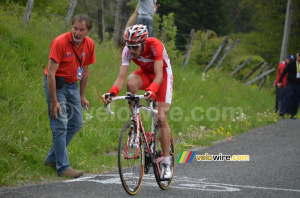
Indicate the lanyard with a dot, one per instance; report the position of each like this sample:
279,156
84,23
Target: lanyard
79,59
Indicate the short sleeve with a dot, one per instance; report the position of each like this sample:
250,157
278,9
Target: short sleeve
157,49
90,59
126,56
57,51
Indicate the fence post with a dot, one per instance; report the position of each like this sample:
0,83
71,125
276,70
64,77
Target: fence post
237,42
260,76
189,48
216,54
253,71
27,13
227,50
264,79
72,7
242,66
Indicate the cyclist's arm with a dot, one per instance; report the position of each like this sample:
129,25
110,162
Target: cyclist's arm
158,70
122,77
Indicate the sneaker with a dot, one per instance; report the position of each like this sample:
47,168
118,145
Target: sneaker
293,117
166,172
72,173
51,164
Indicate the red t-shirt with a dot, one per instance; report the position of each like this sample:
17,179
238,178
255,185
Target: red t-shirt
61,51
281,67
154,51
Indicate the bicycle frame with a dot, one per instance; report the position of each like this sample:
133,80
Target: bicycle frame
137,146
137,119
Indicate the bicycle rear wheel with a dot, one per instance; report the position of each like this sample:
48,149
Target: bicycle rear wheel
131,159
158,154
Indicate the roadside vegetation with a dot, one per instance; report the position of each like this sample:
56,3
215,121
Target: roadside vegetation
206,107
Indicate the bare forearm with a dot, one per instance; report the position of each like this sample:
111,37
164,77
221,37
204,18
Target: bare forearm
83,83
52,88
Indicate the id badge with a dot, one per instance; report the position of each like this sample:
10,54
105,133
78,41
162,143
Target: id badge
298,75
79,74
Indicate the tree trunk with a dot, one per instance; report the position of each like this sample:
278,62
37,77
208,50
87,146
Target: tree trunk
122,15
72,7
101,24
287,31
27,13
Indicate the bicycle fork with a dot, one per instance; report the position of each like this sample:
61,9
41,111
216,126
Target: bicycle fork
133,142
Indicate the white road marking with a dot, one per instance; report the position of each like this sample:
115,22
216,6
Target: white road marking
178,183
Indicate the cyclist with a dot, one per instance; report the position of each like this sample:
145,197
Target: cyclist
154,76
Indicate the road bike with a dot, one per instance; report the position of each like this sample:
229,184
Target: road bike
139,150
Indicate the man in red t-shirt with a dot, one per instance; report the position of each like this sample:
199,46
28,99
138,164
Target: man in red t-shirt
280,90
154,76
70,56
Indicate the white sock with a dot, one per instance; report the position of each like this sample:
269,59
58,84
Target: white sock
166,160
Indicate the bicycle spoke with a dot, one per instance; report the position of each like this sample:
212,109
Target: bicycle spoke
131,159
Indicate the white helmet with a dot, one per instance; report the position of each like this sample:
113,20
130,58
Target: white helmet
136,33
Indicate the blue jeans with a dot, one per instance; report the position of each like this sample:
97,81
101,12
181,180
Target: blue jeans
146,21
291,97
65,127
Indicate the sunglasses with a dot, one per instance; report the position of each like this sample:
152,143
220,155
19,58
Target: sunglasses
134,47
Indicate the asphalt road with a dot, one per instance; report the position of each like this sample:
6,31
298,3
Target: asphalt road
273,171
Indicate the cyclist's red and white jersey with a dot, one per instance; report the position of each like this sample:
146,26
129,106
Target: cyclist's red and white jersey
154,51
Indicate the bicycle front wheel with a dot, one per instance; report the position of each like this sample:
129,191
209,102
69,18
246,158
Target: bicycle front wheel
131,159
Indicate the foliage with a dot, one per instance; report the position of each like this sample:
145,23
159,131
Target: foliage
166,31
202,103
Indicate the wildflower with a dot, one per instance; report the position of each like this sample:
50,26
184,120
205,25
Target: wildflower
222,128
202,127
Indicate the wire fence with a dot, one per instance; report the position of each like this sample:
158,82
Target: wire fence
94,8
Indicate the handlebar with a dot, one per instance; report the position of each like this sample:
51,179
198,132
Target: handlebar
132,97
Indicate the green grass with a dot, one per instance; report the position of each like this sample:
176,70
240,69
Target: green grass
205,108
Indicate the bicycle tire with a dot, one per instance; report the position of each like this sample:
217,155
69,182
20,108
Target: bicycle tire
131,170
163,184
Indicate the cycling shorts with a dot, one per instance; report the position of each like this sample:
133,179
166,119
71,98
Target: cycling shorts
164,93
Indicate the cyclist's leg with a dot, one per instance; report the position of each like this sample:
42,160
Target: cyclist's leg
164,129
137,80
164,99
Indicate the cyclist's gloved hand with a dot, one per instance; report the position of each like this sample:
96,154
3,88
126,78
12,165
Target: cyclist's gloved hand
150,95
106,98
151,90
